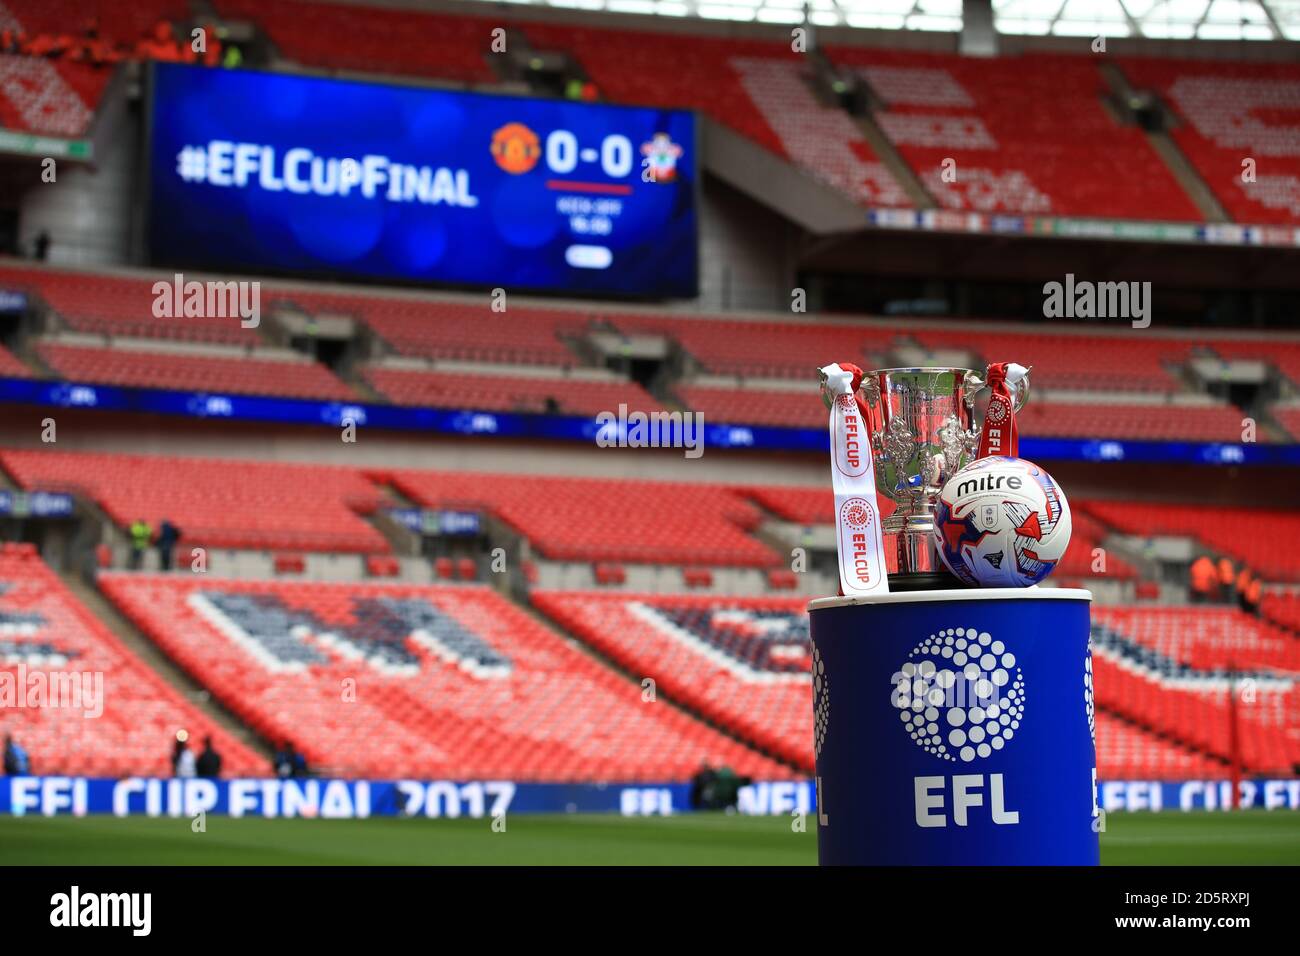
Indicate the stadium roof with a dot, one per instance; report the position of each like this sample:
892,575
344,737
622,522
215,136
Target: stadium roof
1158,19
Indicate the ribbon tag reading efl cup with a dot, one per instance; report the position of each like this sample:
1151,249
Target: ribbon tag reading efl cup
860,545
999,436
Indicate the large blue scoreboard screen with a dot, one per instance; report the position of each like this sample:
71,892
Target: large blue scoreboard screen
262,171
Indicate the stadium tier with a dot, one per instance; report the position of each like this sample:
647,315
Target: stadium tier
11,366
508,391
1207,423
819,137
1230,112
538,359
1284,356
755,406
1289,416
217,503
118,305
1190,708
1127,752
447,682
741,663
590,519
58,99
297,377
372,39
1261,537
119,22
127,725
1090,362
776,348
433,329
628,66
1207,638
1000,121
1283,608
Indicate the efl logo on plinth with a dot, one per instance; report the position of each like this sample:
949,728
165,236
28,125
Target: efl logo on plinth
960,694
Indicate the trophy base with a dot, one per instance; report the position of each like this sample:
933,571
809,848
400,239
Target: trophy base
924,581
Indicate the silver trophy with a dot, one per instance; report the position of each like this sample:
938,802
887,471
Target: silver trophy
922,423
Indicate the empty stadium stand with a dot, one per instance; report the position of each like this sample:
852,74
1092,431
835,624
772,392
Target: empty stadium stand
1127,752
761,349
1282,608
449,329
589,519
131,727
633,66
1231,112
1190,706
54,99
1072,361
756,406
247,375
1206,638
532,359
450,683
1000,121
508,391
11,366
1182,422
216,502
119,305
742,663
1261,537
821,138
373,39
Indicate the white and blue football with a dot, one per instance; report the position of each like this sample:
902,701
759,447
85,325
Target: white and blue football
1002,522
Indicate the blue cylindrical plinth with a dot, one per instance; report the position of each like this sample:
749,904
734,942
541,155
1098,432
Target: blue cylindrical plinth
955,727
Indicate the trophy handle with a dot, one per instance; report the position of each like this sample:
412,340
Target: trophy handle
976,383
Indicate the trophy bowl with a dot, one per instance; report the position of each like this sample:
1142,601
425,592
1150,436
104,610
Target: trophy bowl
922,428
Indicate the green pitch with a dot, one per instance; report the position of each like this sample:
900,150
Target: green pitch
1252,837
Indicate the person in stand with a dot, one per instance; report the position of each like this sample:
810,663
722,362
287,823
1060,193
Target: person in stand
1254,594
183,763
1244,580
41,246
141,534
16,762
209,763
1227,575
288,762
1204,580
702,787
168,535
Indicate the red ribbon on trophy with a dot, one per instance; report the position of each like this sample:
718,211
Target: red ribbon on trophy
859,541
999,436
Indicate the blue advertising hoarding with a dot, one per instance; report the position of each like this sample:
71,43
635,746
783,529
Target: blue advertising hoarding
349,799
281,173
451,421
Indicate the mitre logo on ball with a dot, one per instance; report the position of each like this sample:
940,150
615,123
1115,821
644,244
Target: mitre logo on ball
1002,522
